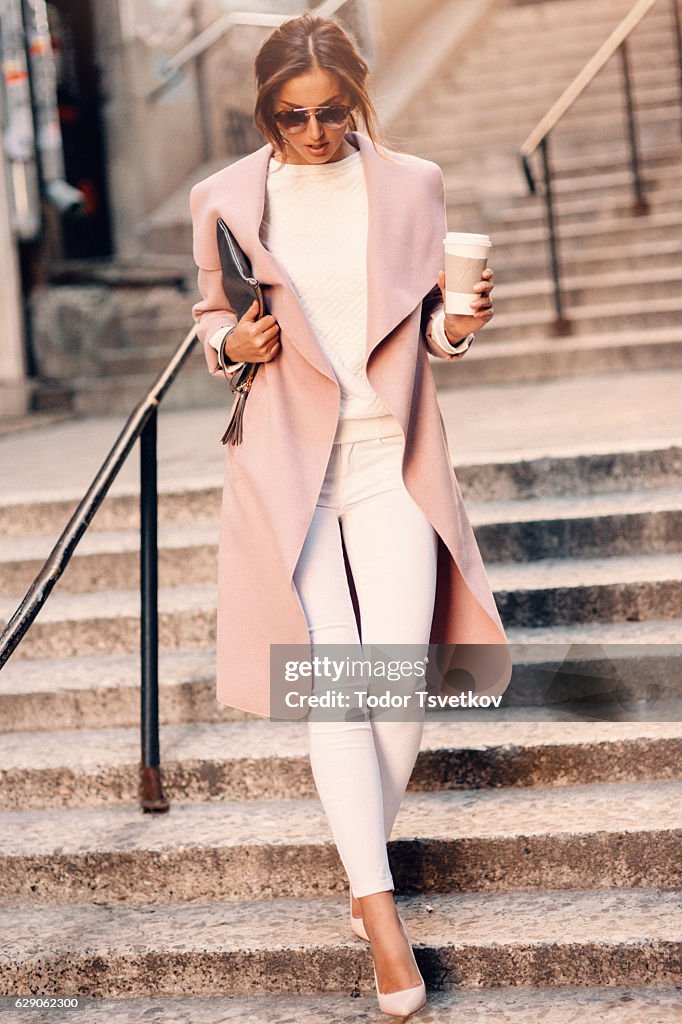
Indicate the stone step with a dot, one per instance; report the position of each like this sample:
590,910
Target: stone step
599,219
524,52
602,470
574,165
102,691
108,621
110,560
561,13
652,62
82,720
619,523
592,213
656,125
647,635
624,937
644,521
598,469
500,168
546,592
587,319
558,592
620,834
523,253
610,185
526,97
432,122
657,182
651,283
644,1005
572,356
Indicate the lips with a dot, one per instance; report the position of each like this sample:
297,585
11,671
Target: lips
318,149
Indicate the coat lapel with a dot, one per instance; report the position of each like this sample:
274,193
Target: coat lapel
402,246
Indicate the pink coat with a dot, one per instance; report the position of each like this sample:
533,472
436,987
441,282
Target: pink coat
273,478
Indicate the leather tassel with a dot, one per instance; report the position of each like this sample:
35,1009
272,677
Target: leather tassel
233,433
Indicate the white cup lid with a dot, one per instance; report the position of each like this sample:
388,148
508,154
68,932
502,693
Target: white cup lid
465,238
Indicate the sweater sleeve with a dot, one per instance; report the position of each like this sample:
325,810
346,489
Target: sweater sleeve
213,312
216,340
438,334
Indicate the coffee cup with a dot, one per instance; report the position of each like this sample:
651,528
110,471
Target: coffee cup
466,257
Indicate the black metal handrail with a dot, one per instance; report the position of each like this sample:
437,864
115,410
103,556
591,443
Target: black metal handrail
141,424
539,136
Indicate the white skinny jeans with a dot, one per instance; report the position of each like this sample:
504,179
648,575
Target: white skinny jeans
361,768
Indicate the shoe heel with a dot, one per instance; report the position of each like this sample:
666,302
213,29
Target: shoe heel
406,1000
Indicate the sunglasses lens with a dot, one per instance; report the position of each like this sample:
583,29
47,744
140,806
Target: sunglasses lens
295,120
333,117
292,121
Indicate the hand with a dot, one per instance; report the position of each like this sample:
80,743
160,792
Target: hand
457,325
253,340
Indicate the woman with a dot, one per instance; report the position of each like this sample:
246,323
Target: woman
342,521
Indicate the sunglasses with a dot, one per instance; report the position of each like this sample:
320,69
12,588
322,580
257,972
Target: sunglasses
295,120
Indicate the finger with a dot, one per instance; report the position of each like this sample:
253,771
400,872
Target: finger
252,312
488,273
270,332
482,303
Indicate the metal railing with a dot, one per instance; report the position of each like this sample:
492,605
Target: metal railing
141,424
539,136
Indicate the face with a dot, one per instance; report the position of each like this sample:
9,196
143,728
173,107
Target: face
315,88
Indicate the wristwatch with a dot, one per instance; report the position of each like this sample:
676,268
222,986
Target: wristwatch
222,358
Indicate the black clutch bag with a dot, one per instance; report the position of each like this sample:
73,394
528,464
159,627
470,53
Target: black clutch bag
241,288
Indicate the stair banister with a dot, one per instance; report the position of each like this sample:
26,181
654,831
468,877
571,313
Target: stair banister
539,136
140,424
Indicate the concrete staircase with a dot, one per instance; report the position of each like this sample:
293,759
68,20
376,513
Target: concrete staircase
546,872
536,855
622,272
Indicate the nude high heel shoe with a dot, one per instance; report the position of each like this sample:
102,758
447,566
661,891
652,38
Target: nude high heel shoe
406,1000
357,923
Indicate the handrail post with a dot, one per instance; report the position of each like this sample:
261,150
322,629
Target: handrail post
561,324
151,789
641,202
677,28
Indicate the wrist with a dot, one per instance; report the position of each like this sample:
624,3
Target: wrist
224,358
455,339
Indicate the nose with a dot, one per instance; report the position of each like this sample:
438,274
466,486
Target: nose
315,129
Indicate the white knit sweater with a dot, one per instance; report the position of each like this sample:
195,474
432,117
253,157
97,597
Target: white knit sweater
315,225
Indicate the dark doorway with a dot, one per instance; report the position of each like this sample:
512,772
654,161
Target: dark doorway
80,115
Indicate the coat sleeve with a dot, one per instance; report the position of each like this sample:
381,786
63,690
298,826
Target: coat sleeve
433,302
213,311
